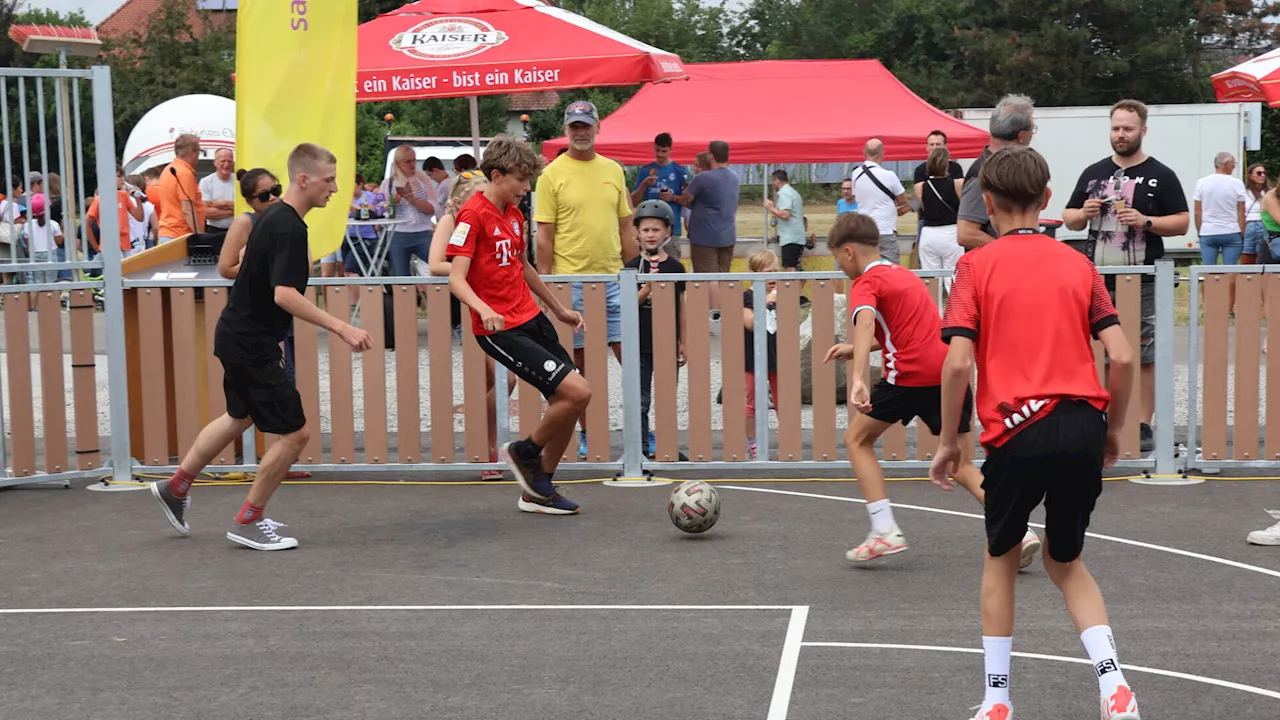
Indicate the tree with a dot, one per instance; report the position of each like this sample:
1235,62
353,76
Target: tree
168,59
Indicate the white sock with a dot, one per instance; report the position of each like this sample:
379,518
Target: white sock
881,515
1101,646
997,653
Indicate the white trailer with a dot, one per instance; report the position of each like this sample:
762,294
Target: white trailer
1183,137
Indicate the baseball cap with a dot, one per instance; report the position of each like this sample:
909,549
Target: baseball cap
581,111
37,204
33,178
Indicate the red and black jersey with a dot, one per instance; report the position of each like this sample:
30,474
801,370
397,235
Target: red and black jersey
1031,304
495,243
907,323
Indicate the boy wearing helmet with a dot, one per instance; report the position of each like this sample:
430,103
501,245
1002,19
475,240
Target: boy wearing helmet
654,221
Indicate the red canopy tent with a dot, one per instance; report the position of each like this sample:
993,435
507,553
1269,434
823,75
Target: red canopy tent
458,48
780,111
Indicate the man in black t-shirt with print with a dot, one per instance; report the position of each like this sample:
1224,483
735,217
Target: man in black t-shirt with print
1130,202
266,296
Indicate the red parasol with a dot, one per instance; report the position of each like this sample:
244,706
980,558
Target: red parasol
457,48
1257,80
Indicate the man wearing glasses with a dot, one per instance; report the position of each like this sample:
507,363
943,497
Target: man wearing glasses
1012,123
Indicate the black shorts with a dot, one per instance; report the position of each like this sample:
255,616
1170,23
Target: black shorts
264,394
1057,459
533,352
791,255
895,403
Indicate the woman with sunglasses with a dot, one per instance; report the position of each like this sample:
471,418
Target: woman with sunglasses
1256,238
411,190
260,189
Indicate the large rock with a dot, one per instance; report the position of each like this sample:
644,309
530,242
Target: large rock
823,344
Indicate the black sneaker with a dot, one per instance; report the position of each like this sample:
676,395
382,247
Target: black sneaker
528,470
175,508
1146,438
557,504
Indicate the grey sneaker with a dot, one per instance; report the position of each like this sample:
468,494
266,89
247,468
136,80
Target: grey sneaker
261,535
175,508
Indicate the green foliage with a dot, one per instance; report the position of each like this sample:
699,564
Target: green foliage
167,59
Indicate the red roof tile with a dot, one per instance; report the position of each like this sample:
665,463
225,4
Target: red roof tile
133,15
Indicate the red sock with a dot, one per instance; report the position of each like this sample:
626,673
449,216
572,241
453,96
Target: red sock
249,513
180,483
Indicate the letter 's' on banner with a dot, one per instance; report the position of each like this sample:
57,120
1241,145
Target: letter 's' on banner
295,83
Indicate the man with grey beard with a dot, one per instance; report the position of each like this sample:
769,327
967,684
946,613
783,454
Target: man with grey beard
1012,123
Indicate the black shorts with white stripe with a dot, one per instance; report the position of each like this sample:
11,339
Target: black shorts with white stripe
533,352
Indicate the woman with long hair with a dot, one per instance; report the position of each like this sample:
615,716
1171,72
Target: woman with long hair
465,185
1256,238
261,190
410,190
939,197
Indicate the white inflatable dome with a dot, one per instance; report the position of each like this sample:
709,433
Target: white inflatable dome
212,118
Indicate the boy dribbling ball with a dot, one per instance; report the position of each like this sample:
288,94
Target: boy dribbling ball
491,275
654,220
1027,305
892,309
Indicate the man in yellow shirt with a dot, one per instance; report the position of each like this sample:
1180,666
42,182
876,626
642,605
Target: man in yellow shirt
583,211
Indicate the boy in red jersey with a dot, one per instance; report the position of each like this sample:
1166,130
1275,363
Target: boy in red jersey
892,310
1028,304
492,276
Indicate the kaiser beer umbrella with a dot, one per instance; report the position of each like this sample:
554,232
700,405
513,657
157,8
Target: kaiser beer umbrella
465,48
1257,80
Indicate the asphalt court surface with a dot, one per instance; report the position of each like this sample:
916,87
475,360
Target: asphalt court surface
809,635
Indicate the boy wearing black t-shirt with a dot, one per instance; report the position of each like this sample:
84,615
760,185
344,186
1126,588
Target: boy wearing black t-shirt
654,221
266,296
1028,307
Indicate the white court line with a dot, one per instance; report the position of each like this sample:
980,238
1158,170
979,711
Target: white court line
1057,658
378,608
956,513
787,665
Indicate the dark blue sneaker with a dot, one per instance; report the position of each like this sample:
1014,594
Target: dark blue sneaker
557,504
527,470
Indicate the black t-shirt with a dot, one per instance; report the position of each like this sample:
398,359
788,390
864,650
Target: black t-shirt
275,255
1149,187
954,171
749,336
643,266
939,202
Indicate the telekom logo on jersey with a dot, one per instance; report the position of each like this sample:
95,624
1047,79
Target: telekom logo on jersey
502,248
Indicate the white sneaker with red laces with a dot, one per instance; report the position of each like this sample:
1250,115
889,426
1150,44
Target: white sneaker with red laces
1122,705
998,711
878,544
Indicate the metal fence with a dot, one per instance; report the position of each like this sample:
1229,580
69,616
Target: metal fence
45,281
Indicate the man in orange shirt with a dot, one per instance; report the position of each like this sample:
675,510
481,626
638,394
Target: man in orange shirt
181,207
126,206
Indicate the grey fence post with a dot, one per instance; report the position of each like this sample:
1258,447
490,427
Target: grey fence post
632,442
760,356
1164,367
104,141
1193,370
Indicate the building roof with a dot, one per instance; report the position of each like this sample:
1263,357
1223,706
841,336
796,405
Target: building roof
132,15
543,100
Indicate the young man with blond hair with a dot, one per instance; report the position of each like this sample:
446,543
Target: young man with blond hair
266,297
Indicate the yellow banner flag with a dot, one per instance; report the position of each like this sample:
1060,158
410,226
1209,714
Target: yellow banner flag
296,83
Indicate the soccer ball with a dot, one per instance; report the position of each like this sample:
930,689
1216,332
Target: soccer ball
694,506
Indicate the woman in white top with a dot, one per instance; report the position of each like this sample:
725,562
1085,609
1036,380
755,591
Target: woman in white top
939,197
1255,234
411,191
43,238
